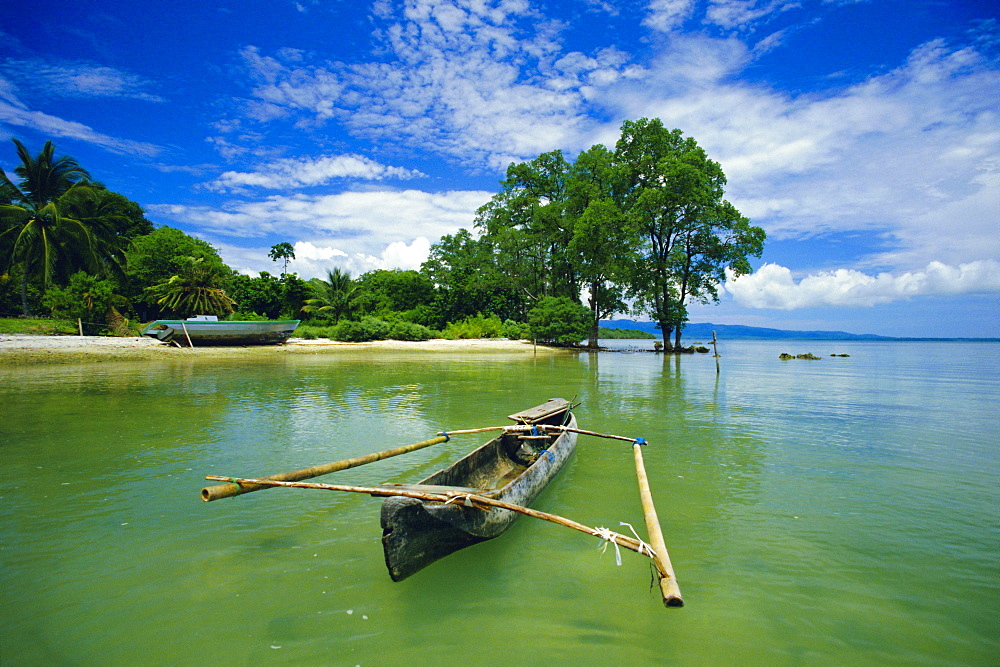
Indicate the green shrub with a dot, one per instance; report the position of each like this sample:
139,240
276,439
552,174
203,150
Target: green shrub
310,332
559,320
86,297
475,326
24,325
516,330
246,317
369,328
409,331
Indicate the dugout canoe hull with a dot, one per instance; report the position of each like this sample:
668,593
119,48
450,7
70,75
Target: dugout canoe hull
417,533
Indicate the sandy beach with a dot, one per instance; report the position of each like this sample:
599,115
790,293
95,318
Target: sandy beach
28,349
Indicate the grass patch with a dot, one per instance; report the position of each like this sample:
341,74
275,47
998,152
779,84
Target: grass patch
26,325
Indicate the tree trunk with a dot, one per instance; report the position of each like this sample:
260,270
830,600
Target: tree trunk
677,338
666,337
24,294
595,325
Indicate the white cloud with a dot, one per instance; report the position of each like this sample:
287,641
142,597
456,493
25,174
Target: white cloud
314,260
359,231
8,94
734,14
304,250
79,80
906,154
474,81
397,255
668,15
307,172
54,126
773,286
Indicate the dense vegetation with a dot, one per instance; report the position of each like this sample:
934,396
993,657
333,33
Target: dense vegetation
624,334
643,227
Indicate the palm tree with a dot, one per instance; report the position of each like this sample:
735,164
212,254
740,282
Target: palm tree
195,290
41,228
336,296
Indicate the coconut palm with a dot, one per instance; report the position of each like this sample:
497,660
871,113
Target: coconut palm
336,296
50,228
195,290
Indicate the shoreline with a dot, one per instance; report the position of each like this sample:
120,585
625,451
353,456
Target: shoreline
42,349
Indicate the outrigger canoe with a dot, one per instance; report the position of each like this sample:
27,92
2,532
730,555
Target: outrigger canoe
513,467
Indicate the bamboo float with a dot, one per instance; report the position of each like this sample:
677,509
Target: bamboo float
668,581
479,502
229,490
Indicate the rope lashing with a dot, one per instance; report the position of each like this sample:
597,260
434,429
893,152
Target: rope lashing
607,535
233,480
466,500
644,549
640,441
552,459
445,434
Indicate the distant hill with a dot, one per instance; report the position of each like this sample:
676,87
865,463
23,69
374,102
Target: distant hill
703,331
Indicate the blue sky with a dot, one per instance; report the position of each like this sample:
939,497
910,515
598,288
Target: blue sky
864,136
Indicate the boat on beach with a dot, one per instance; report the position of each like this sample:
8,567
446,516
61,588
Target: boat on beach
513,467
208,330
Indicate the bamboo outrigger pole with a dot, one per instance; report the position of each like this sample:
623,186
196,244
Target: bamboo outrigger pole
236,489
668,581
445,496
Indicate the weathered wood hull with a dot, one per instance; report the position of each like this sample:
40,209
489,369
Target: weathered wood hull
416,533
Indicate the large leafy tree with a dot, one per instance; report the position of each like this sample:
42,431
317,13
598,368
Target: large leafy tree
469,280
673,193
283,251
530,226
604,239
261,295
152,259
268,295
49,228
396,291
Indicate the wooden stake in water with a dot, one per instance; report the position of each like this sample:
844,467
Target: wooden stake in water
715,349
668,581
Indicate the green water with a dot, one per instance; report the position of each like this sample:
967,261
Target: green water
842,511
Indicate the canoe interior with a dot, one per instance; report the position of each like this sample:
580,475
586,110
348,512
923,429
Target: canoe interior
417,533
